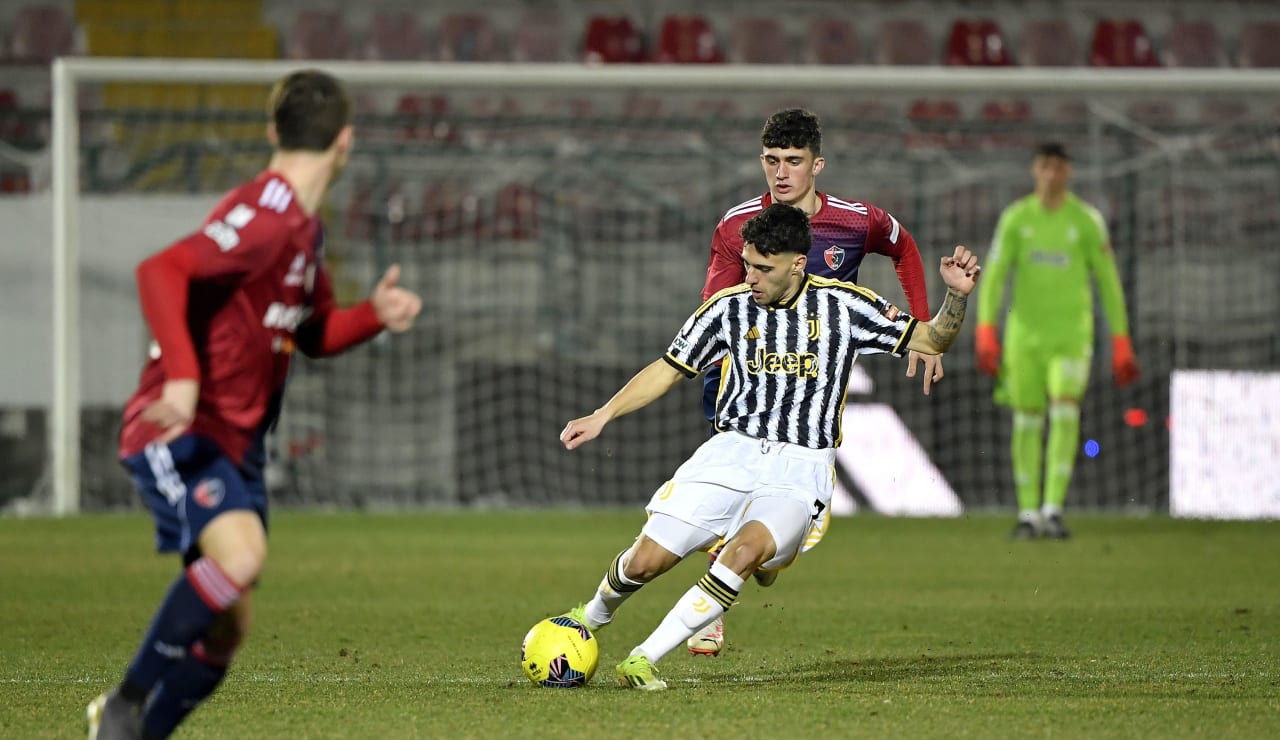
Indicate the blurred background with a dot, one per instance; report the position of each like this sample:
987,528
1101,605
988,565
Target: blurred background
559,238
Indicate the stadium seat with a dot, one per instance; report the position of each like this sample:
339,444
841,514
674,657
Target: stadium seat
466,37
1153,112
538,37
933,110
1258,47
905,42
832,41
610,40
1121,43
319,34
1224,110
357,217
687,39
1194,44
396,36
41,33
516,212
12,128
1005,110
759,40
977,42
423,118
14,182
1048,43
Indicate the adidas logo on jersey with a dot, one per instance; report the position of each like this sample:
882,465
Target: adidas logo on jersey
752,333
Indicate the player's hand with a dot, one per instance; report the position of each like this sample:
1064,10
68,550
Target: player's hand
932,368
960,271
396,307
581,431
1124,366
174,410
987,349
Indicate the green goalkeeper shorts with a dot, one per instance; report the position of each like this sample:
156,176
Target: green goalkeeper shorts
1031,375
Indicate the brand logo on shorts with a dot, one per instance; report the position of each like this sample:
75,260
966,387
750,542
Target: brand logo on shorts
209,493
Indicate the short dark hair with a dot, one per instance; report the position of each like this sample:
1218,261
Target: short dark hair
793,128
778,228
1052,149
309,109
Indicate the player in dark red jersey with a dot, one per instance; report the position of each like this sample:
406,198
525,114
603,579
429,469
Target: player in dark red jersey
227,306
844,231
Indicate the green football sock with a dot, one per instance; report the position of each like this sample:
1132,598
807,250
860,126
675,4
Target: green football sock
1028,440
1064,436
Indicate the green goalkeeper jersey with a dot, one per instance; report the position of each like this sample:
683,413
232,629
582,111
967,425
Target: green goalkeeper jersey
1051,254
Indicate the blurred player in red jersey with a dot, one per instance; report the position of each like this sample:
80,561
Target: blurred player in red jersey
226,307
844,231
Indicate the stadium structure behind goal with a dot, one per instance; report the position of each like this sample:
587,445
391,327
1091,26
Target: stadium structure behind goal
556,220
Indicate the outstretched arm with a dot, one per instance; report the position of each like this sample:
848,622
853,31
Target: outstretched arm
960,272
644,388
888,237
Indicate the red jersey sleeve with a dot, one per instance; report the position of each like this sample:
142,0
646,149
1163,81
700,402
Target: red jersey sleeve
164,284
725,268
329,329
888,237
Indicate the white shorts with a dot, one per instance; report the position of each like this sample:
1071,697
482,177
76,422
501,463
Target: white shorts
715,488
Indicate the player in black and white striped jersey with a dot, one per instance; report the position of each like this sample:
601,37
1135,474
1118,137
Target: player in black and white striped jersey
763,483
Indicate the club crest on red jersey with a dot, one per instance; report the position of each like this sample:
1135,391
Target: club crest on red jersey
208,493
834,256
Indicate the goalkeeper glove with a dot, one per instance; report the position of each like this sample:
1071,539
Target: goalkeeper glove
1124,366
987,349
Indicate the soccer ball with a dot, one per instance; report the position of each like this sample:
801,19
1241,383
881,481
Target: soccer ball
559,653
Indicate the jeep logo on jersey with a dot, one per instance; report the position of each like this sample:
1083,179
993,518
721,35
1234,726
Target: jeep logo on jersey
280,316
834,255
208,493
784,363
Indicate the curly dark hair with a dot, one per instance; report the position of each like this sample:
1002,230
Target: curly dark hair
777,229
793,128
309,109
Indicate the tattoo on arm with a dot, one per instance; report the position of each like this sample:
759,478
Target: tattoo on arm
946,325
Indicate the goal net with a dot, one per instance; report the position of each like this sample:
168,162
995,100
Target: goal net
556,221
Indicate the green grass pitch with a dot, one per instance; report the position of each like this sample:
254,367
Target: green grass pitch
382,626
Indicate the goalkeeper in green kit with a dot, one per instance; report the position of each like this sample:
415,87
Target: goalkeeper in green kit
1052,242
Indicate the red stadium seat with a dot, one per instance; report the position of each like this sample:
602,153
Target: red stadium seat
1048,43
396,36
1218,110
465,37
424,118
1195,44
14,182
1006,110
516,212
687,39
759,40
905,42
538,37
612,41
1258,47
832,41
930,110
319,34
977,42
1121,43
41,33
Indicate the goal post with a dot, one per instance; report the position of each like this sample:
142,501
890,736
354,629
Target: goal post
670,174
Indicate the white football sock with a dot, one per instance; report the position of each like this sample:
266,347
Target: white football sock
709,598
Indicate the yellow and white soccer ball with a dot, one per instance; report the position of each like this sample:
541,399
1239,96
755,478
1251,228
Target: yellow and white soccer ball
559,653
